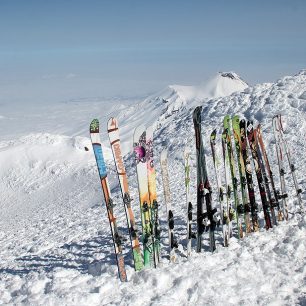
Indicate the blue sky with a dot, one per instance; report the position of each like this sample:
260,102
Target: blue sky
132,47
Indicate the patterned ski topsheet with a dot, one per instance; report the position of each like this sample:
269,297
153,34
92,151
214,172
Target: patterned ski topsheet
114,138
153,193
97,148
145,205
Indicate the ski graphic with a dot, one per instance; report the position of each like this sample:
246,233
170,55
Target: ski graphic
167,195
207,215
139,145
153,194
97,148
114,138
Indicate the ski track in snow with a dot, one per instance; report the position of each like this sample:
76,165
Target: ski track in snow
55,242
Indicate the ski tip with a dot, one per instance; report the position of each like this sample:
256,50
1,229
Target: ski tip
139,130
94,126
197,112
236,120
112,124
149,132
187,151
250,123
224,134
213,134
242,123
226,121
163,155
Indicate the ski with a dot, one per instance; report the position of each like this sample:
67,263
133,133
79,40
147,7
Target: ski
139,145
238,205
97,148
280,158
248,173
224,208
265,180
242,173
153,194
261,184
114,138
283,142
230,213
262,156
167,196
188,199
207,215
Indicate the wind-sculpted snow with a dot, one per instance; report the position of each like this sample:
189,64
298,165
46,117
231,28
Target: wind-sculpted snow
56,248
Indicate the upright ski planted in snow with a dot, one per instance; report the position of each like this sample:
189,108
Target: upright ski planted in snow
261,184
266,180
242,173
280,158
224,207
97,148
153,194
269,170
188,200
238,204
114,138
248,173
145,205
229,213
165,177
278,128
206,214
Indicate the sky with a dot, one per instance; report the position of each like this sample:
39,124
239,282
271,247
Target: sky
69,49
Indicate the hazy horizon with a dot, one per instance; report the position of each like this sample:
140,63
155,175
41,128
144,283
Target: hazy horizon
53,51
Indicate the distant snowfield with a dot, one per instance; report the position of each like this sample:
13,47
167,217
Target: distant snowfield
56,247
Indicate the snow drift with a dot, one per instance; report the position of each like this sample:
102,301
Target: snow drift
56,246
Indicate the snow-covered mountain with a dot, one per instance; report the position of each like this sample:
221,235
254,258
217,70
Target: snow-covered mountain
176,97
56,247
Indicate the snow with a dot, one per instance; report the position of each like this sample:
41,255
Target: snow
54,234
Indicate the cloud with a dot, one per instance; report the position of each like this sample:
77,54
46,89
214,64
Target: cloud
70,76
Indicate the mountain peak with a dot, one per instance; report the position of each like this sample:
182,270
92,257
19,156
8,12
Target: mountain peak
232,75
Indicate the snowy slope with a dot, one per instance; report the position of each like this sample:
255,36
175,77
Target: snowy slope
56,248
